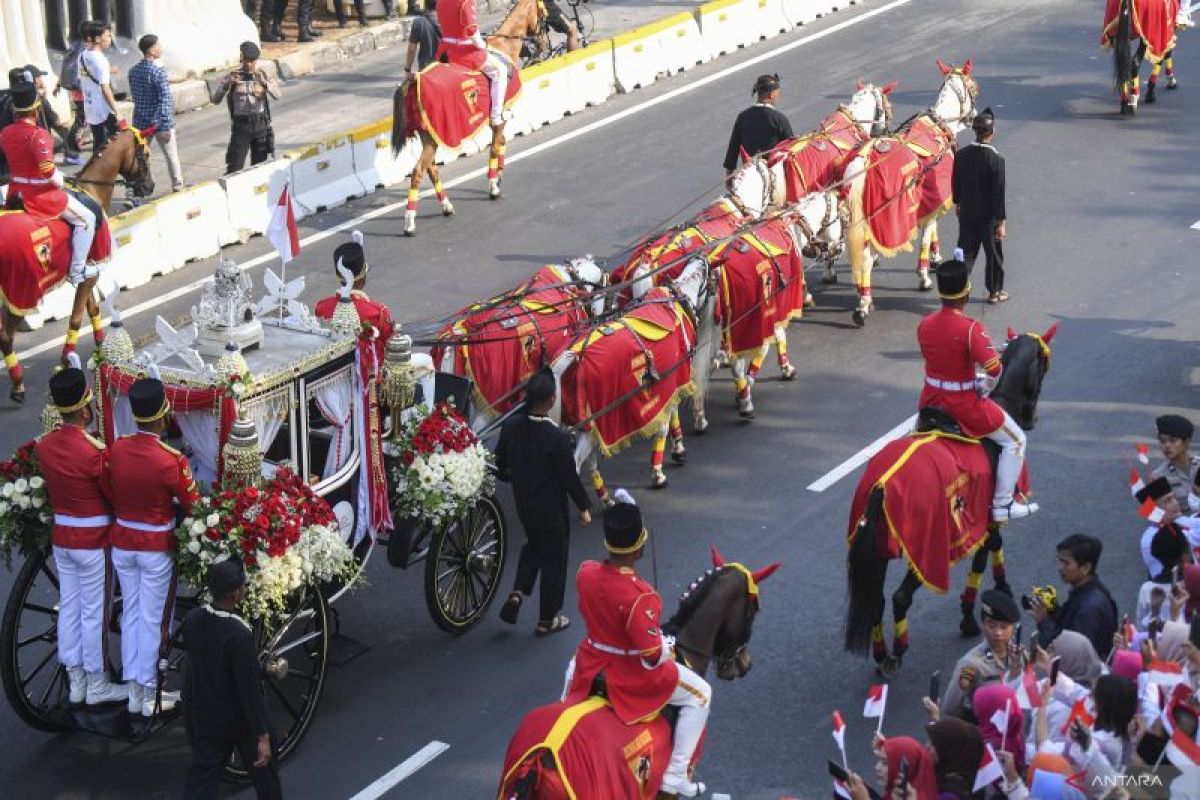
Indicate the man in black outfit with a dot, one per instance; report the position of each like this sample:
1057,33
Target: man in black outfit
223,698
1090,608
270,19
537,457
760,127
978,191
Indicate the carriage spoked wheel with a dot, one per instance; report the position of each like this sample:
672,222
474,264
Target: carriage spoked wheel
34,682
293,658
464,566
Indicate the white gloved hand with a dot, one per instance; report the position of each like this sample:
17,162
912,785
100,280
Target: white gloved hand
984,384
91,270
56,178
477,40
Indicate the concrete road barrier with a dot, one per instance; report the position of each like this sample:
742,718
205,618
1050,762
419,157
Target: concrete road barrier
726,25
638,57
251,196
374,163
193,224
681,44
137,242
591,79
545,94
323,174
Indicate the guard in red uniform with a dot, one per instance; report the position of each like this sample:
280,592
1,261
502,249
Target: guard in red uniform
150,483
72,464
953,345
624,642
464,44
38,184
352,256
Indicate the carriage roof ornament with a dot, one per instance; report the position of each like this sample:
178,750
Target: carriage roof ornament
345,317
117,346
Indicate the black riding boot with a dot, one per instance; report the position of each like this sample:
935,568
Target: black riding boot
304,11
360,10
268,24
389,8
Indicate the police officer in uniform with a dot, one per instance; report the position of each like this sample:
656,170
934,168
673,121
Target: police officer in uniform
72,464
989,660
1181,468
149,483
624,642
249,90
977,185
760,127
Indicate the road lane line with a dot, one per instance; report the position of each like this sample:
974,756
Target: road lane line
141,308
404,769
1196,225
861,457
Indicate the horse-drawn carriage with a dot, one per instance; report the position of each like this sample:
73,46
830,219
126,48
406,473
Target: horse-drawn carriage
265,392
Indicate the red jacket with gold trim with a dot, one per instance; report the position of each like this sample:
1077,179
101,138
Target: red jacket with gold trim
73,466
148,481
371,312
30,153
952,344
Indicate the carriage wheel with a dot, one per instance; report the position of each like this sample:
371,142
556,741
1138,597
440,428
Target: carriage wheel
466,560
34,681
293,663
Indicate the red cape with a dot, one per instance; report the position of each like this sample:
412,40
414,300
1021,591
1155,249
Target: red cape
761,285
583,751
34,257
890,194
613,360
817,160
716,221
1153,21
934,146
451,103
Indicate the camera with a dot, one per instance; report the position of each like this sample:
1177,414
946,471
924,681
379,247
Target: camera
1046,595
246,76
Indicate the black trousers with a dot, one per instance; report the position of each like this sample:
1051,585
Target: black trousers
360,10
971,237
272,13
209,757
102,133
252,135
545,552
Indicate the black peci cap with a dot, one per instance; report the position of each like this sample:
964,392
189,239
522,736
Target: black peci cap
540,387
69,390
1174,425
225,576
984,122
624,532
148,400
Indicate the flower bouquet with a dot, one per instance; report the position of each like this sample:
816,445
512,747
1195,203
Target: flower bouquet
286,536
442,468
25,517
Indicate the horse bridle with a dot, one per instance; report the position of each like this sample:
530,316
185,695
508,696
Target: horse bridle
138,184
830,216
725,660
965,90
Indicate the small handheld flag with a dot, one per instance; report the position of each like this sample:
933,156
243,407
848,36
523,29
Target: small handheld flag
990,770
1136,484
1143,453
839,735
876,703
1078,712
999,721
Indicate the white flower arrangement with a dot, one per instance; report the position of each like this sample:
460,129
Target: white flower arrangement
443,468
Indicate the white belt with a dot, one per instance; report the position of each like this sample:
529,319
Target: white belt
950,386
82,522
148,527
34,181
608,648
452,40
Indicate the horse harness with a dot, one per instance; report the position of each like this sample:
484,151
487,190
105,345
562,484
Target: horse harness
727,660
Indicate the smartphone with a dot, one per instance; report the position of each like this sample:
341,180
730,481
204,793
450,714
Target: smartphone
1033,644
902,780
1017,635
935,686
835,769
1176,574
1054,665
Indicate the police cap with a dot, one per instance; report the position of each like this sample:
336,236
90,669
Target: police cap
998,606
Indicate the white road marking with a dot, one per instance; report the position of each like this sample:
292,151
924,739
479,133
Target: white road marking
861,457
404,769
476,173
1196,225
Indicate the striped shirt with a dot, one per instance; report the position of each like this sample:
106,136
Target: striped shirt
151,92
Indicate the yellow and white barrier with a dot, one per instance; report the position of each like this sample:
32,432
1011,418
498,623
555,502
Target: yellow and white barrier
638,57
590,76
193,224
799,12
55,305
681,44
137,246
323,174
374,163
251,195
765,18
726,25
545,94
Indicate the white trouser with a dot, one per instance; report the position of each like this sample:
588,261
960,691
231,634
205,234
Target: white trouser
147,596
1011,439
170,150
692,695
82,599
83,230
497,74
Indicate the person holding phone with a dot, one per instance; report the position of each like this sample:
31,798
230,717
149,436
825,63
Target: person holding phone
903,762
248,91
988,661
957,749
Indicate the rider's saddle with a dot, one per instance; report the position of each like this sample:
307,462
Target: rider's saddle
600,689
935,418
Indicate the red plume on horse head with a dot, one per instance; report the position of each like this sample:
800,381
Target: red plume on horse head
1010,334
758,575
1049,334
889,87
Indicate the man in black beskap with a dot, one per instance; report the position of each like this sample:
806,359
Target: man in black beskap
537,457
977,187
1090,608
760,127
223,697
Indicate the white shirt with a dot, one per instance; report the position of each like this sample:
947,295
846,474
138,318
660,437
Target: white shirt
94,73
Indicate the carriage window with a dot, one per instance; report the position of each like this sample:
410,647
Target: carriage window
331,408
272,414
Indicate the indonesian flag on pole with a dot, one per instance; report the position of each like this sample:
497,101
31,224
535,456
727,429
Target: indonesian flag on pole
1078,712
1151,511
1136,484
876,701
1143,453
1028,695
281,230
990,770
839,731
1167,674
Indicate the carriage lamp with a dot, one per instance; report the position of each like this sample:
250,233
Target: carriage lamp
399,381
117,346
242,458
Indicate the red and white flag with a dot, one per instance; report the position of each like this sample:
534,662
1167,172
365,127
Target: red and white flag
840,789
1136,484
1143,453
1167,674
1028,694
1078,712
281,230
1151,511
876,701
839,731
990,770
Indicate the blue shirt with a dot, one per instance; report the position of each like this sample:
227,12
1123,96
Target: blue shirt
151,92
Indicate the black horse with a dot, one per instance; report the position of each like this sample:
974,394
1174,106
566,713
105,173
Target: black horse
1026,359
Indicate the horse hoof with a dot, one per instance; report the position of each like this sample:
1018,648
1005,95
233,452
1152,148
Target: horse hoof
410,232
829,277
924,284
448,210
859,317
746,413
658,482
679,457
700,428
969,628
787,373
17,397
809,301
889,667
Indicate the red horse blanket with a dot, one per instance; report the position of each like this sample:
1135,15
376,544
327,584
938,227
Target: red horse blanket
451,103
890,194
1153,21
816,161
630,371
583,751
761,285
716,221
34,257
499,343
934,148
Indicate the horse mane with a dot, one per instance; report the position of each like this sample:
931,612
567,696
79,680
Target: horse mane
96,156
692,599
511,10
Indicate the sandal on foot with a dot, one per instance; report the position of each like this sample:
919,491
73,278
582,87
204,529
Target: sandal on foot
1001,296
559,623
511,607
993,299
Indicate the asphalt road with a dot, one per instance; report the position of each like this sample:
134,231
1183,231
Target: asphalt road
1100,209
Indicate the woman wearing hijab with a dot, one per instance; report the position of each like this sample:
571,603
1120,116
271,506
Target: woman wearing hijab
922,775
1079,660
992,699
957,749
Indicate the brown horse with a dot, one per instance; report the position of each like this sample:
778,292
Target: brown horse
525,19
34,257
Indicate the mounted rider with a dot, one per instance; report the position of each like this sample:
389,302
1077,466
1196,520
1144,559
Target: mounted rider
625,644
953,345
353,257
463,43
37,185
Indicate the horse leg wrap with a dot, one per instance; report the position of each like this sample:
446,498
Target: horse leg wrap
878,645
745,402
447,206
755,366
658,478
413,195
971,592
97,330
70,344
493,167
900,637
15,373
999,571
599,488
923,257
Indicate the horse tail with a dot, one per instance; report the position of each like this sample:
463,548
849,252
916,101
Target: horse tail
1123,48
856,229
398,122
865,574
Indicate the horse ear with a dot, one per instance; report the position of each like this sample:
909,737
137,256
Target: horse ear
858,87
966,67
1049,334
766,572
944,67
717,559
1010,334
888,88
